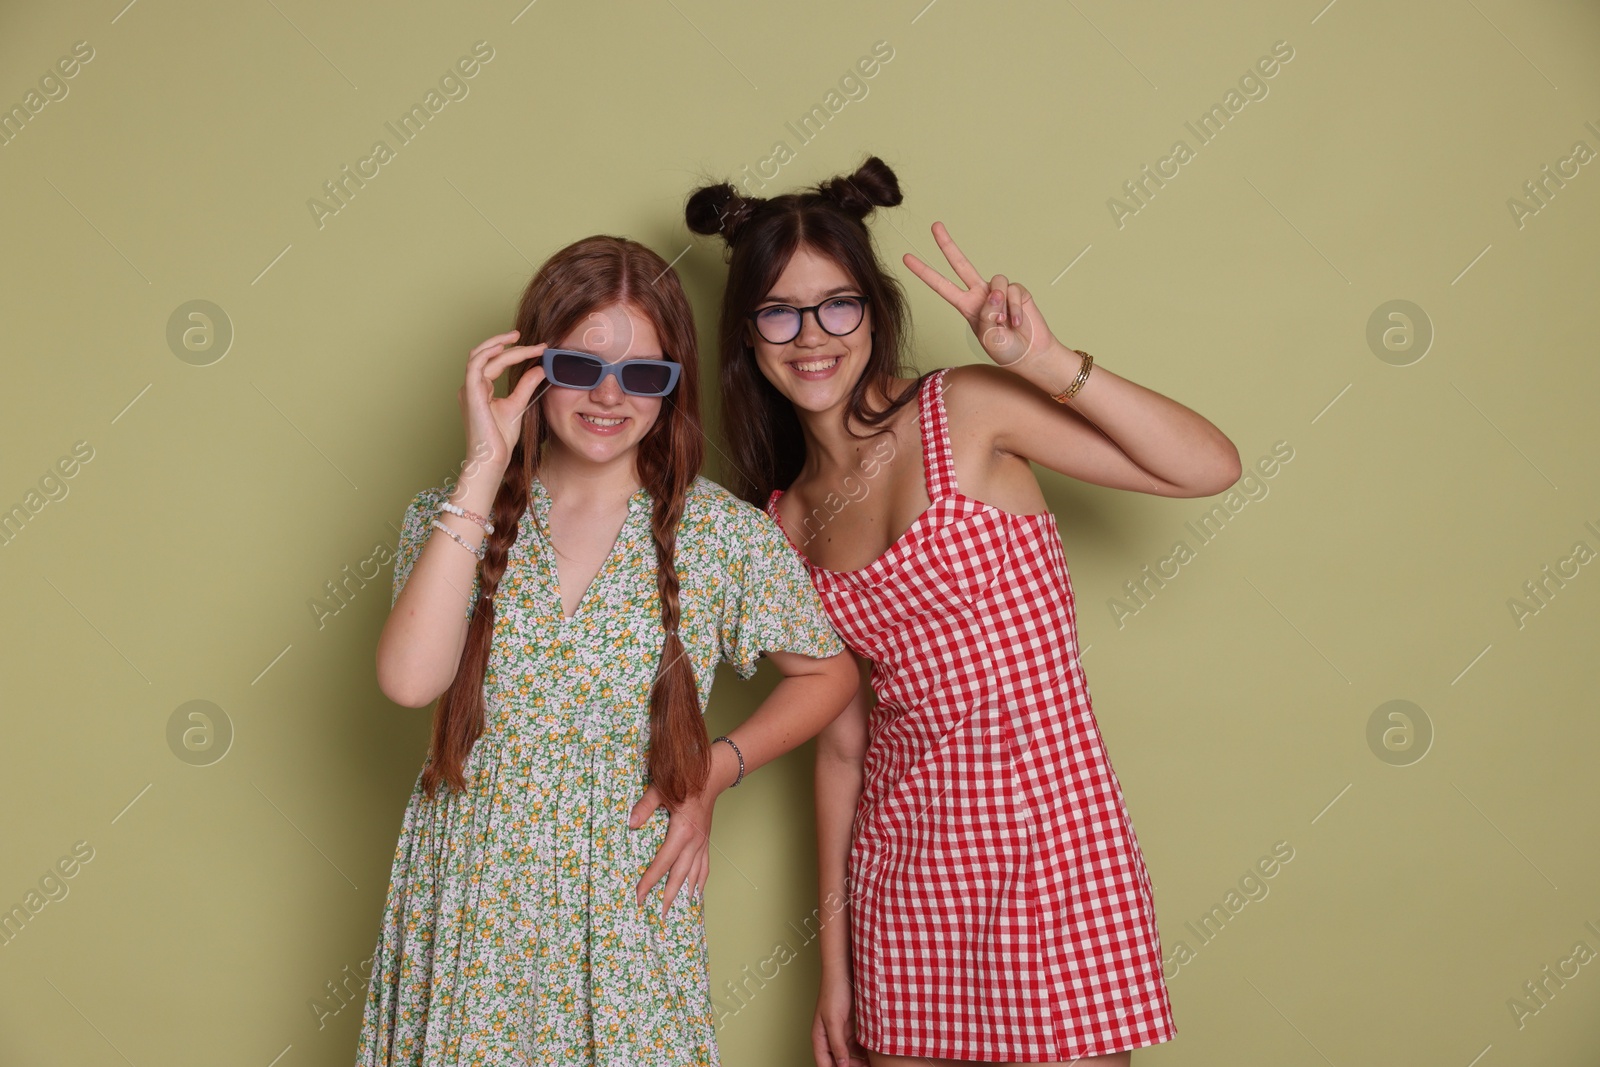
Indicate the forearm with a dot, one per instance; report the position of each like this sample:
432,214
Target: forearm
420,647
841,749
838,790
796,710
1159,434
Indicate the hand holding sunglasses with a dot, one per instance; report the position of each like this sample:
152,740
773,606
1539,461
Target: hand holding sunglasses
494,424
637,377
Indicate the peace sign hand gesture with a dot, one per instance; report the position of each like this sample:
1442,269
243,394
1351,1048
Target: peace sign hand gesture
1003,315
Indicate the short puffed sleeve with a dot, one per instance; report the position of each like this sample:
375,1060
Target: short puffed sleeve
415,529
771,605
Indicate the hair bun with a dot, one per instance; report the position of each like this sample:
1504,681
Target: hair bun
718,209
873,185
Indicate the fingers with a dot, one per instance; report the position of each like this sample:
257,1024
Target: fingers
830,1044
644,807
487,361
493,356
523,394
820,1048
994,310
637,816
480,355
683,872
685,869
858,1052
836,1045
958,297
701,873
652,874
963,267
679,874
499,339
696,868
496,363
1016,299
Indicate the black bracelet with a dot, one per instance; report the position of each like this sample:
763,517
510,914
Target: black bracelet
736,752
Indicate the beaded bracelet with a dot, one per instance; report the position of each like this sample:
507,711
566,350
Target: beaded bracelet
458,539
454,509
736,752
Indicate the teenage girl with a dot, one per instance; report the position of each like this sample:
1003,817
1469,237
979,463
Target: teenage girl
970,822
567,604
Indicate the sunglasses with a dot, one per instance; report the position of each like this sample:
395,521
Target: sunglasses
838,315
637,377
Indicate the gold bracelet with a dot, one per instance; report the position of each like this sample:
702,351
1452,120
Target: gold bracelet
1077,383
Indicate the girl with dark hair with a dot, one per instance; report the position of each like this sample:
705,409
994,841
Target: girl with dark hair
602,579
997,903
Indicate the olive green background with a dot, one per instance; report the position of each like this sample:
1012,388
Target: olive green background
1440,859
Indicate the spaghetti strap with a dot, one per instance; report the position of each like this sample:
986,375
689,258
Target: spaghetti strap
938,464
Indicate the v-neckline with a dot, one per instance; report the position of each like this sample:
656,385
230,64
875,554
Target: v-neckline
539,508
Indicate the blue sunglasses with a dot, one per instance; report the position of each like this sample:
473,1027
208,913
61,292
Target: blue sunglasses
637,377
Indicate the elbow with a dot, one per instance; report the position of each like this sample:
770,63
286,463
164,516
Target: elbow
1220,474
841,754
842,744
1227,472
402,688
403,673
400,693
408,698
845,676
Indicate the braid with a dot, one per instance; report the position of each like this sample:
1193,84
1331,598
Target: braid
586,276
680,754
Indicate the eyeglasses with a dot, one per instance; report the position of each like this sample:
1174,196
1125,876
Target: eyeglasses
838,315
637,377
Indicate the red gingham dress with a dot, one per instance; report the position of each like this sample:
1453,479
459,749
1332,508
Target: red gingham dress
1000,907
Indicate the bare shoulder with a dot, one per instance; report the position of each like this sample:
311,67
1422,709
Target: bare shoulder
982,400
976,387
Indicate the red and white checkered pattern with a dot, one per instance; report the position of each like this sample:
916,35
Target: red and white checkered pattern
1000,907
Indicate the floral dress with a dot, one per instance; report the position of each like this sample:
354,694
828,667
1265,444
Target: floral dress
510,931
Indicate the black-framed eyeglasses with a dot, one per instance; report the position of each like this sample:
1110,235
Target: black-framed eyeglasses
637,377
779,324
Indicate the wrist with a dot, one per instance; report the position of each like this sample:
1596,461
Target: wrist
476,489
724,768
1056,367
835,969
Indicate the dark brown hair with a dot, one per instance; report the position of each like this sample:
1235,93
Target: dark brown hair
760,424
588,275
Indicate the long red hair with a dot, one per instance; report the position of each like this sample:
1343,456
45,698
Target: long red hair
586,276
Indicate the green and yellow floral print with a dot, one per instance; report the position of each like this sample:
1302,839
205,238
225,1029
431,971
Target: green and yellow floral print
510,931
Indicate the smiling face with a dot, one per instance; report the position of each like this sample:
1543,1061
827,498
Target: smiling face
604,424
816,370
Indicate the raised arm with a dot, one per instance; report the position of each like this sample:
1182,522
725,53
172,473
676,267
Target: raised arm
1112,431
420,647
